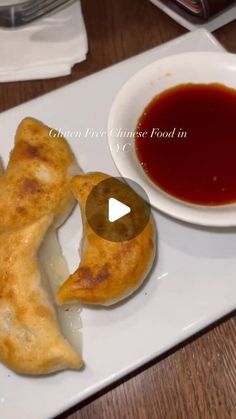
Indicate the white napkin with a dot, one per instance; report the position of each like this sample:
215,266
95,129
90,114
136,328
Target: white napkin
46,48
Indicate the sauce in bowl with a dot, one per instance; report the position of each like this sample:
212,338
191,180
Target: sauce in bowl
186,143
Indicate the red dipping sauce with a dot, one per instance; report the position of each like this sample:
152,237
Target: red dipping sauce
186,143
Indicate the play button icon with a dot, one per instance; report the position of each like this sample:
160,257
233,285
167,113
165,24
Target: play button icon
117,209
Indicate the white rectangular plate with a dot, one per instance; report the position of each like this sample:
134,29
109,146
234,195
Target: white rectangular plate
192,284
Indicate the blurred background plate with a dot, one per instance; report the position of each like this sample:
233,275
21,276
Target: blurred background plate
211,25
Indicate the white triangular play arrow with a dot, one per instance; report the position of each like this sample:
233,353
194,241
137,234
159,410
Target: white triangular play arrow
116,210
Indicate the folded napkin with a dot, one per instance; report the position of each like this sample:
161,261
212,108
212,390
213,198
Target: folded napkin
49,47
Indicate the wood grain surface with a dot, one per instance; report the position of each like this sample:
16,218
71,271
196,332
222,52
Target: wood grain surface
196,380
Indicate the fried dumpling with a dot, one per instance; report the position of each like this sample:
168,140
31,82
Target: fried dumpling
35,199
30,338
36,181
108,271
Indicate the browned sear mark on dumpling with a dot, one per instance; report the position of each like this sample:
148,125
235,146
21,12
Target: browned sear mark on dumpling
31,186
87,279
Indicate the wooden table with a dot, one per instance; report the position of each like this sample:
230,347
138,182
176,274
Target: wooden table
196,380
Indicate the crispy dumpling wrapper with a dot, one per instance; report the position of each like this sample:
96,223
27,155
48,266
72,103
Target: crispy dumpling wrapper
36,181
35,198
30,338
108,271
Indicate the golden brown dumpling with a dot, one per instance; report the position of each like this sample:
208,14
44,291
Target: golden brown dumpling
30,339
108,271
35,199
36,181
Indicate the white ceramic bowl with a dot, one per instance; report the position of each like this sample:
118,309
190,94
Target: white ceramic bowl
134,96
